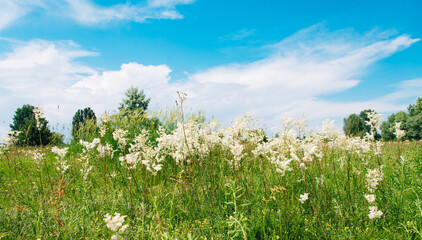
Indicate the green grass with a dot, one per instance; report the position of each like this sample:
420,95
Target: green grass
207,198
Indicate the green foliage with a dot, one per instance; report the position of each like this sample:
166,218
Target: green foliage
25,122
354,126
87,131
206,199
169,117
387,127
134,122
414,127
416,109
57,139
411,122
79,119
135,100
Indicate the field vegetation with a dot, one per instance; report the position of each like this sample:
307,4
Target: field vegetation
174,175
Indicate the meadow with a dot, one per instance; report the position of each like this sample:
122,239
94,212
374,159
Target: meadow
197,180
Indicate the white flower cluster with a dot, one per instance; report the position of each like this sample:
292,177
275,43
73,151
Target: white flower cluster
374,122
142,151
304,197
119,136
12,138
62,167
188,140
38,157
398,132
59,151
373,177
86,167
39,113
115,224
90,145
374,212
288,147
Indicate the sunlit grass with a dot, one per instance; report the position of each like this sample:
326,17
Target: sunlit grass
212,184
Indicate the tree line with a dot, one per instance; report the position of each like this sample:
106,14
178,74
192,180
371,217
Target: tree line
30,127
410,122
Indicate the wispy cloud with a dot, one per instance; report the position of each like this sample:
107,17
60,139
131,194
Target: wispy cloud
303,67
239,35
87,12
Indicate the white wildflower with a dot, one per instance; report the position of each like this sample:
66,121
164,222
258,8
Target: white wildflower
320,180
130,160
12,138
303,197
119,136
398,132
115,224
370,198
373,177
39,113
374,212
59,151
374,121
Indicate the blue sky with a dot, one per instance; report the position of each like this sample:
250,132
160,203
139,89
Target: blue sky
267,59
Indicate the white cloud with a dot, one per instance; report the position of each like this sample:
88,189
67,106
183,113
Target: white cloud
288,82
305,66
9,12
46,73
88,13
168,3
239,35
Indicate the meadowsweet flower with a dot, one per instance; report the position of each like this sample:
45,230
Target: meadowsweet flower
62,167
38,157
105,150
130,160
320,180
12,137
115,224
86,167
374,212
373,177
370,198
119,136
89,145
39,113
303,197
398,132
328,131
59,151
374,121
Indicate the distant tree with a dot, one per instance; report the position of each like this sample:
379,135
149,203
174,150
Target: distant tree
354,126
80,117
387,127
134,100
364,117
414,127
414,122
415,109
34,132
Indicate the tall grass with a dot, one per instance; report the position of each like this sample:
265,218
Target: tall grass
203,182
